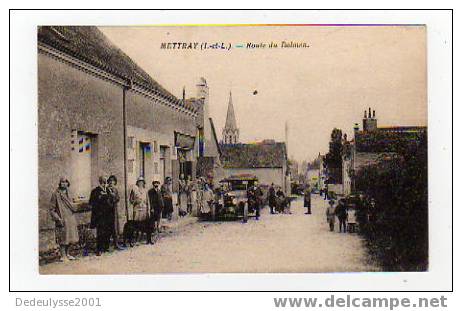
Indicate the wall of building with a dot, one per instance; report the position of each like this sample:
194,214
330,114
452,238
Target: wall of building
71,99
346,167
264,175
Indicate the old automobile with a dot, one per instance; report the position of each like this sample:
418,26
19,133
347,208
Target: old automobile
234,200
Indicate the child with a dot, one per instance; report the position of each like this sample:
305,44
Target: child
330,215
351,218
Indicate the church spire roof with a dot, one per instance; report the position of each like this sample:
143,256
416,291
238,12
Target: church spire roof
230,116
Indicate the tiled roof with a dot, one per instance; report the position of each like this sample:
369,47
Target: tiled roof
259,155
90,45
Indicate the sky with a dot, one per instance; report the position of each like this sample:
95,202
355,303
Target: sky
344,71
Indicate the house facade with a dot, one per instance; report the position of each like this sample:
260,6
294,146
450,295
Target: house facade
99,113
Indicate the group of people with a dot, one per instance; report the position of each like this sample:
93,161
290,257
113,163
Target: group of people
277,200
345,214
146,209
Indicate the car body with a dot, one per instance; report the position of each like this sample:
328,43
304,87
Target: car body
234,196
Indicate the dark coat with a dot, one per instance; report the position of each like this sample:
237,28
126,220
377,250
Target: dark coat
307,198
272,196
156,202
341,211
102,210
167,198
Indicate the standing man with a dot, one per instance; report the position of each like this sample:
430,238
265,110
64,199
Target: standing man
114,198
156,205
272,198
167,197
258,199
62,212
307,199
342,215
102,215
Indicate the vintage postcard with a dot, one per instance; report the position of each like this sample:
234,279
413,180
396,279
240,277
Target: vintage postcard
232,148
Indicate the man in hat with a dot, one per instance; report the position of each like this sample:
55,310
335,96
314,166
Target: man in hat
156,204
102,215
62,212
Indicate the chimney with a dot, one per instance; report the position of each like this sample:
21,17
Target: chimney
365,114
369,112
184,94
373,114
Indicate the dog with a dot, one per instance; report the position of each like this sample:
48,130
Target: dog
132,231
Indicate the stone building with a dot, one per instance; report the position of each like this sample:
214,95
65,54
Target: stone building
100,113
267,160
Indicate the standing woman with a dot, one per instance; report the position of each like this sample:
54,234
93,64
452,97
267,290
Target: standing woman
140,202
307,199
114,198
62,212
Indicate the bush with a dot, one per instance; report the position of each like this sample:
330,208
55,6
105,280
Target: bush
396,229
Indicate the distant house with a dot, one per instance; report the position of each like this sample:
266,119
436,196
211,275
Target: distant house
374,144
267,160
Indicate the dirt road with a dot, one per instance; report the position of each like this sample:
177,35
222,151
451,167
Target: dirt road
275,243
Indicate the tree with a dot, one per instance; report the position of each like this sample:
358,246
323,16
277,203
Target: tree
397,229
334,157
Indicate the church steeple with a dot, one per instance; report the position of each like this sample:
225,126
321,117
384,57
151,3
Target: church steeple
230,131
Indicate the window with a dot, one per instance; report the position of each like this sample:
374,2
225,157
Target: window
143,152
83,152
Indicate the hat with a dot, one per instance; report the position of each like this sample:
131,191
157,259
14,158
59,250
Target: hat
156,182
141,178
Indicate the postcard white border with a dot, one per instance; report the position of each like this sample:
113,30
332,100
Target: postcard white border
23,182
